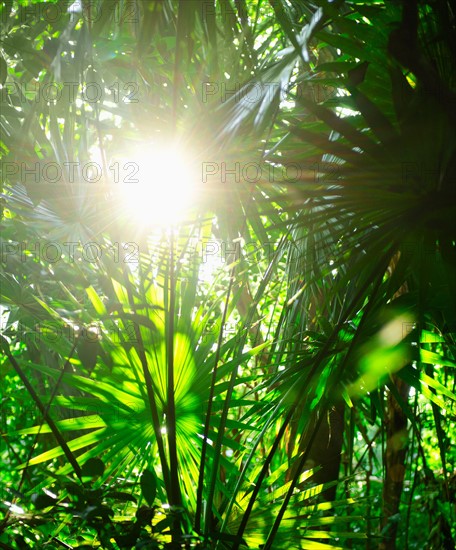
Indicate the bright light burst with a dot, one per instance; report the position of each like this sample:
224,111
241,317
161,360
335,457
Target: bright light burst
157,185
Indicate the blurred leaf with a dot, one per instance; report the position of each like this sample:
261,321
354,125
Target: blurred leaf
3,71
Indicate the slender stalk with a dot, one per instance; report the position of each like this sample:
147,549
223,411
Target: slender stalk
32,447
43,409
219,441
226,406
150,391
199,492
175,495
294,482
246,465
415,479
259,480
48,407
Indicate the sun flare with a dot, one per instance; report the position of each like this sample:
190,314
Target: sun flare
157,186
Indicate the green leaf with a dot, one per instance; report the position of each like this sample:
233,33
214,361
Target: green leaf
148,484
41,500
440,388
432,358
96,301
94,467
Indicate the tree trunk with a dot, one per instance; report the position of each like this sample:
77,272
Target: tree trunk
396,441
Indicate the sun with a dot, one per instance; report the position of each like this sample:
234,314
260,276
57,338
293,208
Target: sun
157,185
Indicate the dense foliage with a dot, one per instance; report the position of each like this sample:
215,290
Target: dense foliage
275,369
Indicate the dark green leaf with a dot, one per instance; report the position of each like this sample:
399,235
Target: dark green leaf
94,467
148,484
41,500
